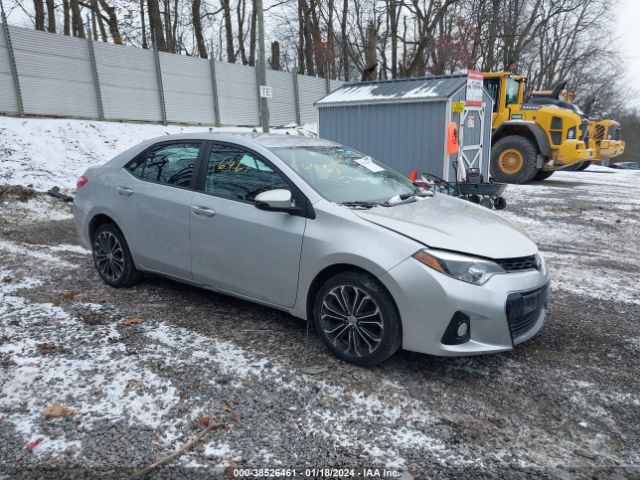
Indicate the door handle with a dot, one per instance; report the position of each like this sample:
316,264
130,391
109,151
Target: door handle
124,191
202,211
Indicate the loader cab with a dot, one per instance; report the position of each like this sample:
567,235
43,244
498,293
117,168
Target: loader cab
506,89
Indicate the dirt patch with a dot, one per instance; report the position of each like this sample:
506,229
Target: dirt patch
17,192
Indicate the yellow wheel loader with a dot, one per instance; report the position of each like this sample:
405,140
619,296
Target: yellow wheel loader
604,136
531,140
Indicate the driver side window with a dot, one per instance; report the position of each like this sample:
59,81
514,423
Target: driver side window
239,175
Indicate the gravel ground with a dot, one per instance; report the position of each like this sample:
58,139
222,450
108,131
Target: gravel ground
138,372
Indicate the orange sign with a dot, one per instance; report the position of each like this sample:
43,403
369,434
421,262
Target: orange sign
452,139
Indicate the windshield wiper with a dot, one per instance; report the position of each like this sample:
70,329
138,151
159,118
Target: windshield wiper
360,204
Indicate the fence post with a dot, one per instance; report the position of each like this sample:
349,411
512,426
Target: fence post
214,87
296,95
94,69
156,56
12,61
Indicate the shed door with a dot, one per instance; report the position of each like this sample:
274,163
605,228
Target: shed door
470,137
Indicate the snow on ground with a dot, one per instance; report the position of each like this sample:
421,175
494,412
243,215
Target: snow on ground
55,152
583,244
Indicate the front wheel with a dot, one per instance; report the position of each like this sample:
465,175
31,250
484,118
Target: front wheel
357,319
514,160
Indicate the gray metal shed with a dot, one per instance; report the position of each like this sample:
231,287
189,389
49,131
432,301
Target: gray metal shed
403,123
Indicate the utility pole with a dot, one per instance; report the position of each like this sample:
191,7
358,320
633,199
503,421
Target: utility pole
262,69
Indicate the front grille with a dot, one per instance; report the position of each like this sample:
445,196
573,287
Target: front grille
518,264
524,308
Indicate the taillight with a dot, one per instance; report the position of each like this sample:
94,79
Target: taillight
82,181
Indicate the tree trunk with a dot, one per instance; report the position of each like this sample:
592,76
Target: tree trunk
330,50
253,36
76,19
370,54
228,26
300,37
144,25
197,28
155,24
113,22
240,14
345,41
38,7
51,16
275,56
166,12
308,38
66,17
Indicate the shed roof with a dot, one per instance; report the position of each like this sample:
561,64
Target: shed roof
399,90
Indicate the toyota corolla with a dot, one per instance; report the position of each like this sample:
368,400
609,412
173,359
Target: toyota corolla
321,231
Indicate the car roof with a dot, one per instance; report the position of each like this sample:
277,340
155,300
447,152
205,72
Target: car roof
250,139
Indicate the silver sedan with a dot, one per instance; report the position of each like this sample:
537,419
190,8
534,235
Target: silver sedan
320,231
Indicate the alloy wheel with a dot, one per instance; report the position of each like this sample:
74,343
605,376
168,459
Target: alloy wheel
109,256
352,320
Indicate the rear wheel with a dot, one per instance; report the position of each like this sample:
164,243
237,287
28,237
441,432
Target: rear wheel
584,166
112,258
357,319
513,159
577,167
542,175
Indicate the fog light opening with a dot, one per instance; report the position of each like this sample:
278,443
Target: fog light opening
458,331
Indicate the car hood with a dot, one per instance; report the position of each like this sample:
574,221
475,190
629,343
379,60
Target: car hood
449,223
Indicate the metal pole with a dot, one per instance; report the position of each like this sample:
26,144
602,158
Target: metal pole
214,89
262,68
296,95
94,69
12,61
156,56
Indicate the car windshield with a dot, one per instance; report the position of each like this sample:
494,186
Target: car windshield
343,175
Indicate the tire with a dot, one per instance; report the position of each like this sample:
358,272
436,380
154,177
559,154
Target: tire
542,175
112,258
514,159
368,341
583,166
500,203
487,203
576,167
474,199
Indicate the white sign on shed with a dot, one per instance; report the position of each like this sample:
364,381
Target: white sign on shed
474,88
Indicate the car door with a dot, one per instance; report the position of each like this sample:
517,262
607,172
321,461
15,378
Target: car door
235,246
152,197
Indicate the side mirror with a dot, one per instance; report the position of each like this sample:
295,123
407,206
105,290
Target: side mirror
278,200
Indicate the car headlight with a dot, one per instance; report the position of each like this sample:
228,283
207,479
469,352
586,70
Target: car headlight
541,263
463,267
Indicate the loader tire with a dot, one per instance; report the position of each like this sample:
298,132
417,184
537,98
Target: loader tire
513,160
583,166
576,167
542,175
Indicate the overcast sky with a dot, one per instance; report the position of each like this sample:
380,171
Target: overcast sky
629,40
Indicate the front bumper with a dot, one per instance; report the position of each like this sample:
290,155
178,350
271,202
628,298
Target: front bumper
427,301
572,151
609,149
